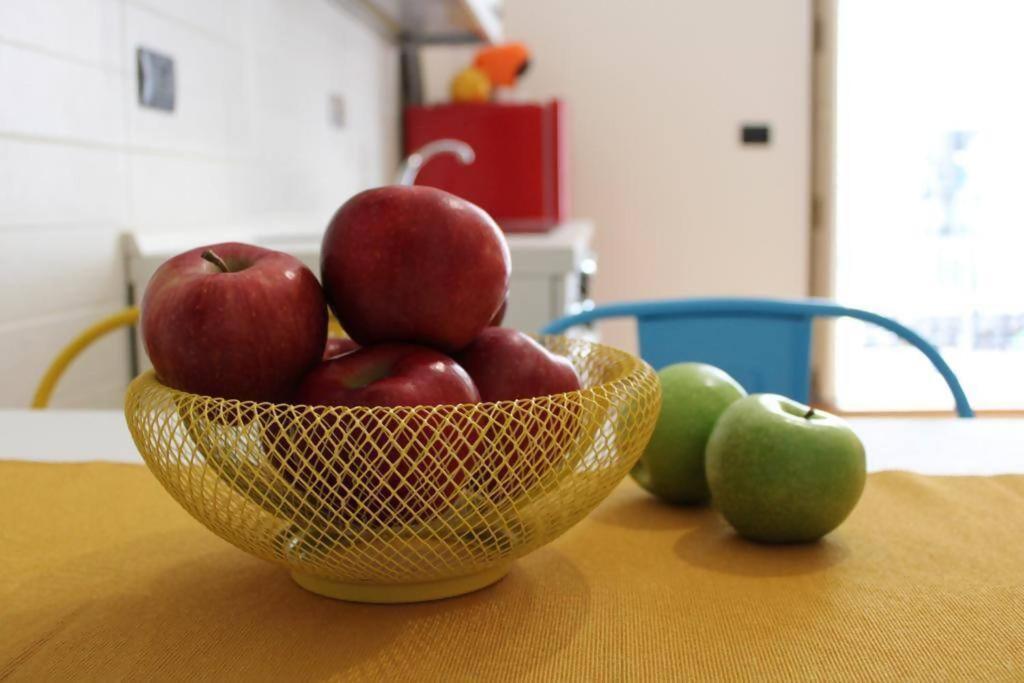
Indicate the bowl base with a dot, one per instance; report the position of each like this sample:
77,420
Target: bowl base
401,592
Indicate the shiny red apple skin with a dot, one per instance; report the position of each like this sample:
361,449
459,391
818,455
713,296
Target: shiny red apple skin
414,264
499,317
399,465
336,346
250,334
506,364
388,375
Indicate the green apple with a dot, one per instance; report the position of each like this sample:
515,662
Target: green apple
781,472
693,396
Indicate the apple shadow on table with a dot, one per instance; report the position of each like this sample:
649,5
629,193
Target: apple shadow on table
643,511
712,544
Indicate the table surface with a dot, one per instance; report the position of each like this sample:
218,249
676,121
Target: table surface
111,579
981,446
103,576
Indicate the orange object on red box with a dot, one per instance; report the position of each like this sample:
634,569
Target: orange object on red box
503,64
520,174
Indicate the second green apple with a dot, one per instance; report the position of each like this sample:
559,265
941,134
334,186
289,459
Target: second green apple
693,396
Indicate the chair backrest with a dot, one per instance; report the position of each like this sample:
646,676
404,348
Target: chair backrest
764,343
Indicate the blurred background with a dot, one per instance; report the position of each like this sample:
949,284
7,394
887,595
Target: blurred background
860,150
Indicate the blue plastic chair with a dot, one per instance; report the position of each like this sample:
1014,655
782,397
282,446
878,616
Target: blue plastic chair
764,343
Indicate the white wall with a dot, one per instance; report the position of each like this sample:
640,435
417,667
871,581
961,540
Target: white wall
249,142
658,90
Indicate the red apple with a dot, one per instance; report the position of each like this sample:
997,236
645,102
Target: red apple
234,320
336,347
500,315
414,264
505,365
405,463
388,375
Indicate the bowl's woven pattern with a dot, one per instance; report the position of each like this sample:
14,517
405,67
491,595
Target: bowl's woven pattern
399,495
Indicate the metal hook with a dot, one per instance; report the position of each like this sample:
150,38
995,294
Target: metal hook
410,168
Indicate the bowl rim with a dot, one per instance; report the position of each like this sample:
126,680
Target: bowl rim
632,366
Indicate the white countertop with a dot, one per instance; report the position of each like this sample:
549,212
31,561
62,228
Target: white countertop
980,446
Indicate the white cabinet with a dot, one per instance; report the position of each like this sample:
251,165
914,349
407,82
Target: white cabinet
551,274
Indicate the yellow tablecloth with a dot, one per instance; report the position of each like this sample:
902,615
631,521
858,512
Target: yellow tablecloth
103,577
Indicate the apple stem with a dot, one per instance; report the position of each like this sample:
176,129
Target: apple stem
212,257
809,414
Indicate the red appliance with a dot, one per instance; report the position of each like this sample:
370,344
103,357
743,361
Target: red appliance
520,172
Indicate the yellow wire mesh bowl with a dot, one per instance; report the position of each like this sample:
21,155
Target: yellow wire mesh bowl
399,504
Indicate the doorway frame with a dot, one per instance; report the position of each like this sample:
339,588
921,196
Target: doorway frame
822,193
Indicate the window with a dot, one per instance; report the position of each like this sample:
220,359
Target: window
929,199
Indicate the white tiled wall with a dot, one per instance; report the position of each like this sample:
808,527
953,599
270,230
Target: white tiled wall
249,142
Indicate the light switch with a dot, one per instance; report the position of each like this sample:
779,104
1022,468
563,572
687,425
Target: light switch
156,79
755,134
